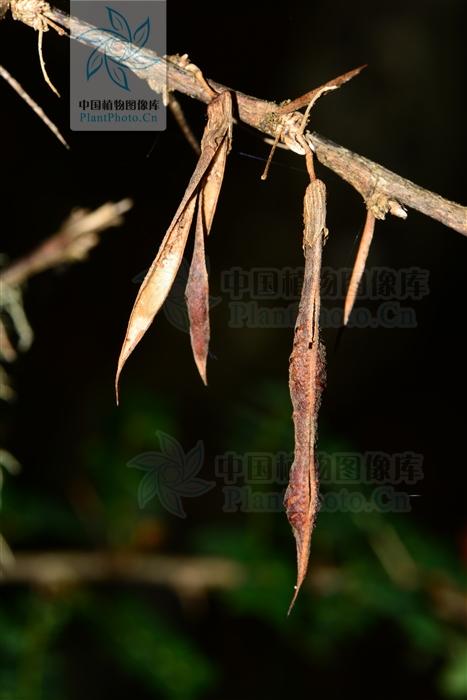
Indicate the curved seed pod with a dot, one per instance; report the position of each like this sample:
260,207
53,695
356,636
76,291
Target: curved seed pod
159,279
156,285
197,299
197,289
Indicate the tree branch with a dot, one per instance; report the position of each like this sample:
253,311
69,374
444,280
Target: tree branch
76,237
73,241
31,103
383,191
195,575
63,568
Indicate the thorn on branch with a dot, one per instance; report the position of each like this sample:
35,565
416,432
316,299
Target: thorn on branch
359,265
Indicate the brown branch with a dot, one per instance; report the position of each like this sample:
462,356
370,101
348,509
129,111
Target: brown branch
61,568
368,178
74,240
32,104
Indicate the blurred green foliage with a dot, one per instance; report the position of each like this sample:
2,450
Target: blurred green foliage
136,637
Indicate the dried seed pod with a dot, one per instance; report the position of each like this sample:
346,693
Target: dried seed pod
306,382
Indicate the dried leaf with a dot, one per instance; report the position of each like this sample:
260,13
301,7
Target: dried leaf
197,299
159,279
359,265
306,382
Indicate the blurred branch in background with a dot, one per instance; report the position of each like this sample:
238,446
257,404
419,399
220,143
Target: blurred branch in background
187,575
448,600
72,243
194,576
76,237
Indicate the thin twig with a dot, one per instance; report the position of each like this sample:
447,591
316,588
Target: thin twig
364,175
42,63
179,116
31,103
271,154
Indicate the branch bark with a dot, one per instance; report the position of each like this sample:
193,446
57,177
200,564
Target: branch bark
383,191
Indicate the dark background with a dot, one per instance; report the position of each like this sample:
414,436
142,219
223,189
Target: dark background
388,390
